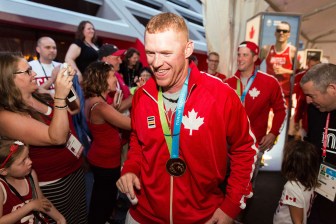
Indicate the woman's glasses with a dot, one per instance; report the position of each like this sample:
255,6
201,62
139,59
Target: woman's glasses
29,71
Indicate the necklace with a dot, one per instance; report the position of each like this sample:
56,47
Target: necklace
102,97
45,74
93,46
170,100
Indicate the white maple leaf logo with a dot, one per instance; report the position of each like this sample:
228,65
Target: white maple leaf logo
192,122
254,92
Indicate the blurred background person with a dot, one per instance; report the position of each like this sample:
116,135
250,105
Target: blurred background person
280,57
145,74
45,124
79,55
130,67
213,62
104,122
84,50
110,53
45,64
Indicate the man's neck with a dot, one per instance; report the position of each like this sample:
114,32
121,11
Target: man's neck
211,71
280,46
45,61
246,74
179,83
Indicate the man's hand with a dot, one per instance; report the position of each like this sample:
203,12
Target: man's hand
279,70
126,182
297,126
219,217
267,142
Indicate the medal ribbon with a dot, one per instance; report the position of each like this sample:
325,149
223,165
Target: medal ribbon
242,96
325,138
173,141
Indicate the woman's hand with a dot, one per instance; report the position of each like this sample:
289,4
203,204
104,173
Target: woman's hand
63,83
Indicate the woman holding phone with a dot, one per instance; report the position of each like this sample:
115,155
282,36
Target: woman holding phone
45,124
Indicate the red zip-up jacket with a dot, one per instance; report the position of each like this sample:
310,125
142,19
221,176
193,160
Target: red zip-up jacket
214,129
265,94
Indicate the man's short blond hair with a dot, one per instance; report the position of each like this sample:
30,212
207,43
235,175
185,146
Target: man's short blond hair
166,21
213,53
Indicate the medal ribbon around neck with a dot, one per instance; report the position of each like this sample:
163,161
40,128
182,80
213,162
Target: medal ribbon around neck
242,96
173,141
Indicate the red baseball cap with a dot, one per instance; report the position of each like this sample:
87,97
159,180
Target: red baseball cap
109,49
253,47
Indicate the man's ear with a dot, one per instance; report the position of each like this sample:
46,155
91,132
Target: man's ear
255,58
332,89
189,49
37,49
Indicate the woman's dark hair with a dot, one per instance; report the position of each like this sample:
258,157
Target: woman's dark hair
301,163
129,53
147,69
11,97
95,78
80,34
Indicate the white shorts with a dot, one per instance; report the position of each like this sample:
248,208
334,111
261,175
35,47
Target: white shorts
130,220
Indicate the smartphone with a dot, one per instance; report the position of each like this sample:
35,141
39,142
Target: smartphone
119,97
65,65
72,94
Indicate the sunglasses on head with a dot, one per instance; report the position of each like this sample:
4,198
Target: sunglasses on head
280,30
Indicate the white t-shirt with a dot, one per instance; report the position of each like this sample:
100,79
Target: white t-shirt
43,71
295,195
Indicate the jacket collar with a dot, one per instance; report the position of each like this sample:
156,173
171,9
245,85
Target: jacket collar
238,73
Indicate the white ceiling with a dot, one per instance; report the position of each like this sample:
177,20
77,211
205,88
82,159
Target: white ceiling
318,26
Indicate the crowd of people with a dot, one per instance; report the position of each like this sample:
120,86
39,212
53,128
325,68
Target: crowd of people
194,139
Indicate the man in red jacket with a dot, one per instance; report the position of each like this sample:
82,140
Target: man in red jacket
182,124
260,93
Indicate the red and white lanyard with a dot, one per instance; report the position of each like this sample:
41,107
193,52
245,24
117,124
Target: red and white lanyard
325,138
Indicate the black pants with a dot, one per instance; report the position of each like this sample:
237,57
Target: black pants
104,194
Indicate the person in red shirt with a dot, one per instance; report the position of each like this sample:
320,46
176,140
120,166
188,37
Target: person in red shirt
213,61
280,57
21,198
104,122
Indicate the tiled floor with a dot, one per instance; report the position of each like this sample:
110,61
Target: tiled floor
267,193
